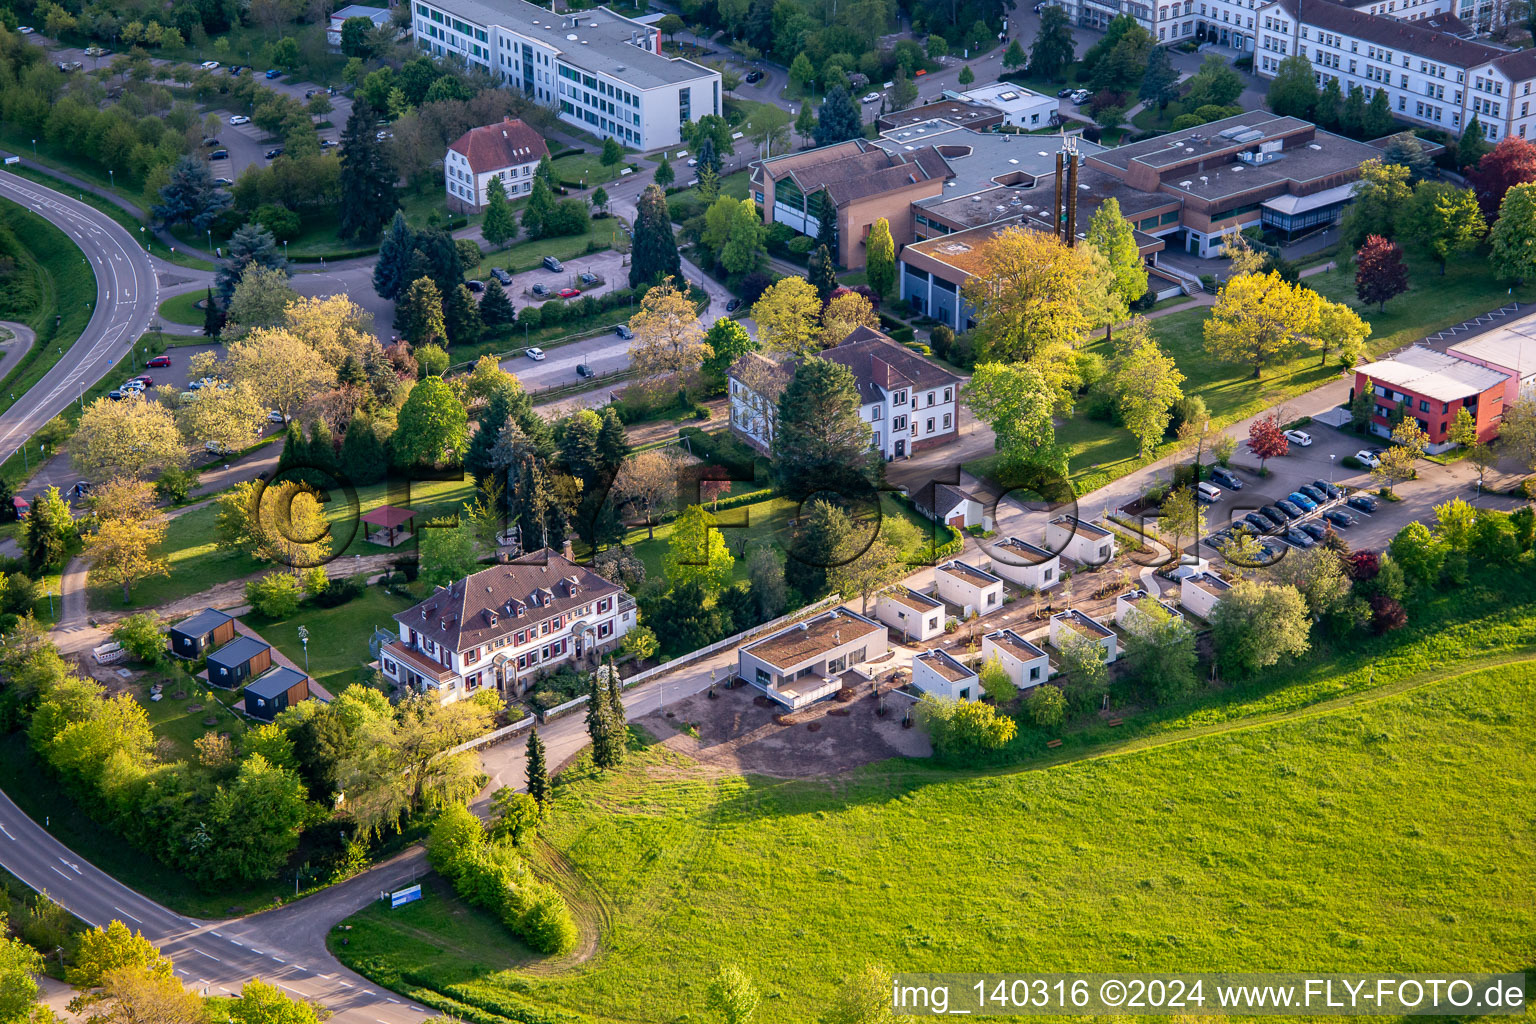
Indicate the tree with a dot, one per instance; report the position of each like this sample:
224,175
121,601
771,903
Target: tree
1215,84
822,273
1405,150
861,998
880,258
1112,235
1330,104
420,314
275,595
1083,663
647,483
433,426
499,227
1443,220
1512,162
1267,440
130,437
18,990
1054,47
142,636
838,119
213,316
260,1002
280,368
190,197
1381,196
514,816
537,770
600,196
392,269
368,199
447,553
1028,293
732,996
963,728
461,318
131,995
1259,318
696,552
805,122
867,566
1160,82
743,251
1293,91
653,256
122,552
1145,381
50,530
251,244
821,442
1379,271
605,733
1512,241
1255,624
261,299
1181,516
665,175
1160,650
668,338
1517,436
727,341
226,420
967,76
1352,115
1378,116
612,152
787,317
1018,403
113,948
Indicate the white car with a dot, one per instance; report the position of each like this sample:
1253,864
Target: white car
209,65
536,354
1367,458
1080,96
25,30
239,119
870,97
1300,437
275,417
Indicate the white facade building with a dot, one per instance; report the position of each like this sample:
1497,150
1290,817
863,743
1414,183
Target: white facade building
603,72
1511,350
940,675
968,588
915,616
1026,664
505,626
1079,540
378,15
1072,625
510,151
1026,564
1020,107
1129,616
1200,592
807,661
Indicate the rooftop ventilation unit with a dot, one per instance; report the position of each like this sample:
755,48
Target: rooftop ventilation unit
1013,160
1185,184
1314,146
570,37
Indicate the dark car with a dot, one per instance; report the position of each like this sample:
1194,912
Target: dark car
475,286
1258,522
501,275
753,77
1290,508
1277,513
212,142
1226,478
583,370
1327,488
272,73
219,154
1219,539
1277,517
1314,493
1363,502
273,154
1317,531
235,71
1299,539
1062,94
116,396
733,305
1338,518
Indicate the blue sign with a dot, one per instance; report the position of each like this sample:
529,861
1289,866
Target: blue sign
404,896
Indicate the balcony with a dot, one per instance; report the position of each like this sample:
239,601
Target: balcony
414,661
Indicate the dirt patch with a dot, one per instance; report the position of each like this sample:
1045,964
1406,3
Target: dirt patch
737,733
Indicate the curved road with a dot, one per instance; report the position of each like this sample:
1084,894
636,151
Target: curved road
127,296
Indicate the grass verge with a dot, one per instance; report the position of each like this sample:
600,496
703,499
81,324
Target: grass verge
58,304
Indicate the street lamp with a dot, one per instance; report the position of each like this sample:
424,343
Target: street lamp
34,148
304,640
1331,457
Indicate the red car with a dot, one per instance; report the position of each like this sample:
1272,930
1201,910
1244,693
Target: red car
145,378
159,361
569,293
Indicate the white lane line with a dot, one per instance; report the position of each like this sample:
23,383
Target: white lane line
7,834
238,943
216,935
256,951
129,916
210,956
58,872
343,984
395,1001
280,961
290,988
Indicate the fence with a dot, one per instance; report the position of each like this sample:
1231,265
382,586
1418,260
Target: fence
493,737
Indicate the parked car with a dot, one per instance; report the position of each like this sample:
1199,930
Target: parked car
215,448
1219,539
159,361
583,370
919,73
274,152
1207,492
1226,478
239,119
96,51
624,332
1329,489
20,504
223,182
1299,437
116,396
1363,502
219,154
554,265
1258,522
1275,519
588,278
1367,458
1306,503
1038,8
1317,531
272,73
1338,518
753,77
25,30
1062,94
1313,493
209,65
870,97
275,416
1297,538
733,305
234,71
539,289
475,286
145,379
212,142
328,143
536,354
1080,96
1290,508
309,94
1278,514
569,293
501,275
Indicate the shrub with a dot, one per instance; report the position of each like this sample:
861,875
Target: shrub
174,484
469,252
800,244
1046,706
340,591
140,636
275,595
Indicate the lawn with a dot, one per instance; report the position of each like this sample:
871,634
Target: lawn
183,309
1380,827
588,168
338,637
526,255
178,727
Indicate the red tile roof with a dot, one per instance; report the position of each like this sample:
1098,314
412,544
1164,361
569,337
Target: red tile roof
493,147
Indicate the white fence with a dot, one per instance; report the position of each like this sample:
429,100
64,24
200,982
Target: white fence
493,737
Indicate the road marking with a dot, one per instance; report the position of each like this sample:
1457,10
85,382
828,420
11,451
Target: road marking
388,1000
280,961
290,988
343,984
210,956
256,951
216,935
129,916
7,834
58,872
238,943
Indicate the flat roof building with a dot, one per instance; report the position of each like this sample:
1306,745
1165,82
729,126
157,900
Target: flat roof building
1432,387
1021,107
808,661
1510,350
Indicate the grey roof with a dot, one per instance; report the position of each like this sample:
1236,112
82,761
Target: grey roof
936,497
274,682
974,575
1512,346
1432,374
238,651
878,362
978,159
1403,37
204,622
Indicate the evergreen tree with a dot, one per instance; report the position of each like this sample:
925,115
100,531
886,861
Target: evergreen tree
1472,145
321,448
394,260
420,313
363,458
707,156
252,244
499,226
826,225
368,198
50,530
880,258
612,441
617,717
839,118
606,751
821,442
461,316
664,174
805,122
822,542
709,185
1378,116
1352,117
653,256
821,272
537,770
1160,82
213,316
295,448
190,197
7,502
1330,105
495,307
541,205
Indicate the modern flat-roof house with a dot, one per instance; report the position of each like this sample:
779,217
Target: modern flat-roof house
910,403
1432,76
1026,564
196,634
940,675
1128,614
978,117
1026,664
510,151
1079,540
1072,625
1021,107
948,504
915,616
813,659
242,658
1200,592
1510,350
274,691
603,72
1431,387
968,588
505,626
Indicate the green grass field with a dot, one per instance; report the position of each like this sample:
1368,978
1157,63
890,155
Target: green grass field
183,309
338,637
1311,823
526,255
588,167
179,727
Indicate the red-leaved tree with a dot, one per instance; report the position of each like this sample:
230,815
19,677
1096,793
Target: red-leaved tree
1267,440
1512,162
1381,274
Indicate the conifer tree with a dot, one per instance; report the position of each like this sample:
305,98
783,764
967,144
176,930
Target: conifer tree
368,198
499,227
389,272
213,316
537,770
495,307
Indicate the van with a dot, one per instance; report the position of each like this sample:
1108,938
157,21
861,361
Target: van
1208,492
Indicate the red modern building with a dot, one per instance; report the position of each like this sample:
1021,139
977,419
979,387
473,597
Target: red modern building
1432,387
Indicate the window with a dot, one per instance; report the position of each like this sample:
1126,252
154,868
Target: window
899,398
899,423
1423,405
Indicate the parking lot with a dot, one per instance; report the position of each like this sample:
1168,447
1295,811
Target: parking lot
607,267
248,145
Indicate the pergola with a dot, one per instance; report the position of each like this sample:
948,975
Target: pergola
388,521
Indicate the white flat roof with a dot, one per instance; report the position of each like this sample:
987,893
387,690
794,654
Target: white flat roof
1301,204
1512,346
1432,374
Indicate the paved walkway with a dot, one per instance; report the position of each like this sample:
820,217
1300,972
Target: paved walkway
18,345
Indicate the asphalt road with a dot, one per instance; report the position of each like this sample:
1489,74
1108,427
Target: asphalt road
127,296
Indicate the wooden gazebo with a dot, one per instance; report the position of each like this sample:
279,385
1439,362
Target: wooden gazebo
388,525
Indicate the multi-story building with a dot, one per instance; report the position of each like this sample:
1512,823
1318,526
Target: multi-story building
510,151
1511,350
603,72
1431,76
1432,387
505,626
910,403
